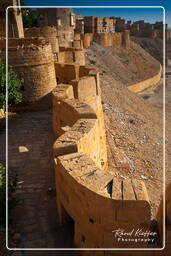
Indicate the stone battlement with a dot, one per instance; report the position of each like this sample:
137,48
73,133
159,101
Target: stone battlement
64,54
33,61
23,42
93,197
138,87
50,33
71,55
107,39
51,63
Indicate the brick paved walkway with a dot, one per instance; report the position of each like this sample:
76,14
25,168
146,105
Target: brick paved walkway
30,156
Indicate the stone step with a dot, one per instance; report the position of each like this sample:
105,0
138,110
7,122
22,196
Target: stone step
128,189
97,180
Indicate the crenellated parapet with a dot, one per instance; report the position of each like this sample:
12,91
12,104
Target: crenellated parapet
84,87
51,62
65,54
116,39
48,32
138,87
87,192
33,61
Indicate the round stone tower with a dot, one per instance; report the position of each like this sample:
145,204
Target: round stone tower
126,39
49,33
33,61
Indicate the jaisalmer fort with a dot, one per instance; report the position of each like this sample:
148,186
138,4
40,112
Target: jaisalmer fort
85,142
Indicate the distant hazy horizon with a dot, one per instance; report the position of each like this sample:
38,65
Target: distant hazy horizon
150,15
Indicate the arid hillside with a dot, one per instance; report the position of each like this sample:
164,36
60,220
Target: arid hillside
154,47
126,66
134,126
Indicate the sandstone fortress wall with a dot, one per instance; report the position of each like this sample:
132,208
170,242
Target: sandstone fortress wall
32,59
86,191
107,39
47,32
138,87
71,53
96,200
15,23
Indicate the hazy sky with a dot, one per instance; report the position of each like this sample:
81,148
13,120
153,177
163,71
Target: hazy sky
150,14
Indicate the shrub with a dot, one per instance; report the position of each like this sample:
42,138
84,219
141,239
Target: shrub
14,87
2,195
12,200
29,17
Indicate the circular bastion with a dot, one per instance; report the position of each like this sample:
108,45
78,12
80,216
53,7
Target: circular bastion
32,59
48,32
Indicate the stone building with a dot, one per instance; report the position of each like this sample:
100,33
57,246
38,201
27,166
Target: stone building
94,24
146,29
79,24
15,24
62,18
104,25
120,24
168,34
89,24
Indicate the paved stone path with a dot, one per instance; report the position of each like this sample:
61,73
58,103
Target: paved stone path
30,156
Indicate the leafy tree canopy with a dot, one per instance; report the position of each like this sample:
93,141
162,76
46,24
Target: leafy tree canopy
12,200
14,87
29,17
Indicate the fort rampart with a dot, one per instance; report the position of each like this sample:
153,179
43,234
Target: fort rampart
71,55
87,192
47,32
64,54
97,201
107,39
138,87
33,61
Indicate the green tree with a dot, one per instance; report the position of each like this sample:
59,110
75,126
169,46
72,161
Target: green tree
14,87
2,195
29,17
12,200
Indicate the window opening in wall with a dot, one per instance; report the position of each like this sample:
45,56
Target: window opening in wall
109,188
91,220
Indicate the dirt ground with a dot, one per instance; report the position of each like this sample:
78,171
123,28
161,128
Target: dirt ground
154,96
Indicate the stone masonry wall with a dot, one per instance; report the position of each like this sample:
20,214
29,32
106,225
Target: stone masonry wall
71,55
96,200
167,221
93,197
85,88
107,39
74,54
147,83
33,61
47,32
